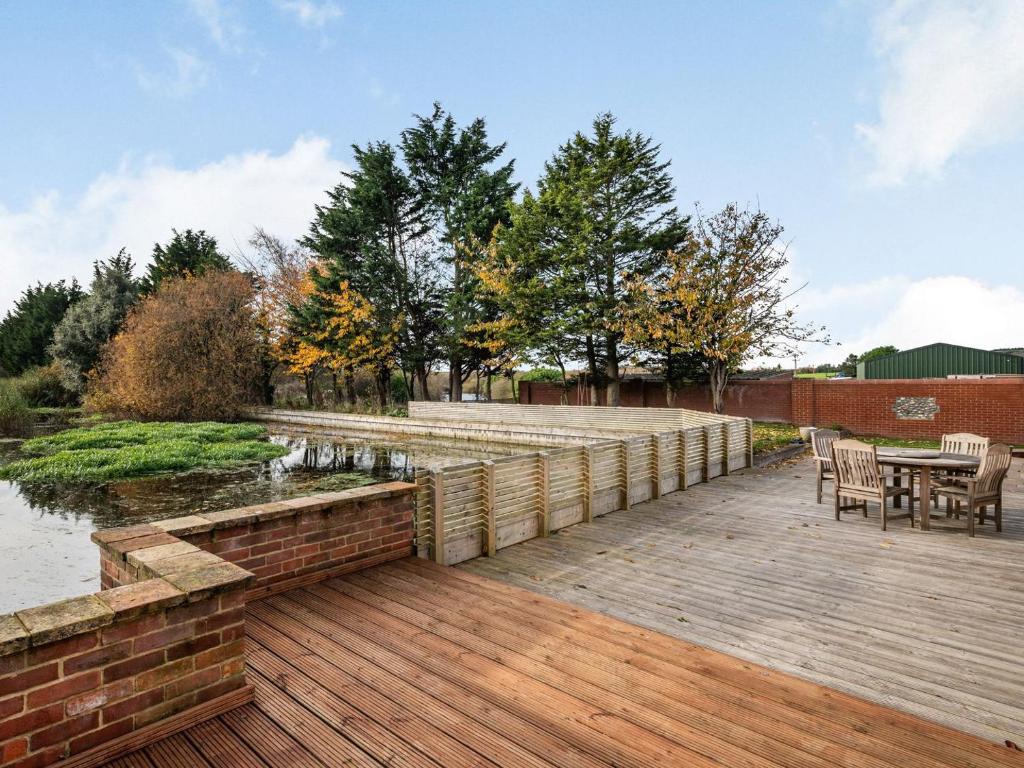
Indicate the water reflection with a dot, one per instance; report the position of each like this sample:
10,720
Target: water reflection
45,551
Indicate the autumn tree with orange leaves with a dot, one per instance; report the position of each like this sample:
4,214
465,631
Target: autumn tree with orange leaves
723,299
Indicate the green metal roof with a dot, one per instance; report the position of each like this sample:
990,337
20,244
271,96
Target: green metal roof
940,361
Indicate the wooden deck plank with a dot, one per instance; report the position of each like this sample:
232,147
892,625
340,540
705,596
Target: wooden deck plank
412,664
435,692
772,741
750,565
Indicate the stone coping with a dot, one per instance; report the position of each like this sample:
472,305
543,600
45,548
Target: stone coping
171,571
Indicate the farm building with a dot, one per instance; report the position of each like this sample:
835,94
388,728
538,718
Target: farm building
941,360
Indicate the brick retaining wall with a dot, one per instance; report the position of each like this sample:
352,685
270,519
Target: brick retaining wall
166,636
906,408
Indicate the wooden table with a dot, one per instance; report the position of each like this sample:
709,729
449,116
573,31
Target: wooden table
924,461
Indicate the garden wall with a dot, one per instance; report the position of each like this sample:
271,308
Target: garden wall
906,408
163,645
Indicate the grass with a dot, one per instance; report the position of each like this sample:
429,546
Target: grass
898,442
769,436
817,375
124,449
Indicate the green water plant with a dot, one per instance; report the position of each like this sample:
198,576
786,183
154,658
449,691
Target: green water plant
124,449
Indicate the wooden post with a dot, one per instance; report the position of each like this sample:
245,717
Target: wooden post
588,484
706,469
750,442
656,467
439,518
544,519
625,472
683,480
725,447
492,529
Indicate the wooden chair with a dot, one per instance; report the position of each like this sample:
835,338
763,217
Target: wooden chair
964,443
821,446
859,477
985,488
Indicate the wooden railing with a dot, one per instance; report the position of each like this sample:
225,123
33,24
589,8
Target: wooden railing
476,508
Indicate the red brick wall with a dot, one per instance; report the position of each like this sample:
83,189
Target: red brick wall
167,633
990,407
329,532
146,658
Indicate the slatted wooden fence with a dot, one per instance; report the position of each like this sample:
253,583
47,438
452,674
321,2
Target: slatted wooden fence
479,507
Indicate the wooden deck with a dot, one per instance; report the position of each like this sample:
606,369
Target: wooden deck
929,623
412,664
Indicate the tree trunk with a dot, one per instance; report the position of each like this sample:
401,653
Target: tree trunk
455,379
611,367
592,366
718,377
334,388
488,386
350,388
383,386
421,377
309,379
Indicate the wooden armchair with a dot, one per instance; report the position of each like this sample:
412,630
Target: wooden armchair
821,446
965,443
859,478
984,489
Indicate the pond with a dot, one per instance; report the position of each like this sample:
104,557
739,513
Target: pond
45,550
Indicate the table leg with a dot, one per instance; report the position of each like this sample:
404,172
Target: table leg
926,498
897,481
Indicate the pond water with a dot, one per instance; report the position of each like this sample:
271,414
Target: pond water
45,550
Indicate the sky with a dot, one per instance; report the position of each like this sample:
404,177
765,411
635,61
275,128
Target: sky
886,137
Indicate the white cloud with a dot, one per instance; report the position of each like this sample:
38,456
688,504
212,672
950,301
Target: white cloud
911,313
188,75
954,84
139,204
220,22
311,14
953,309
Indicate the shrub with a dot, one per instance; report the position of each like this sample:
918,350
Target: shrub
189,352
46,387
15,414
548,375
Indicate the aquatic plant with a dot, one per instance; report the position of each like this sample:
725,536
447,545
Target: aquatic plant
124,449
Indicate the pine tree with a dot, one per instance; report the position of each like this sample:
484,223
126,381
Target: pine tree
603,214
374,260
465,197
187,253
27,329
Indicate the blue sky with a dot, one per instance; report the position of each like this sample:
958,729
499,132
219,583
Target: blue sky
886,136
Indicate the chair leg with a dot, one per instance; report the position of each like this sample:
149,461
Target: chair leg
819,473
982,512
999,515
835,496
910,499
884,501
970,515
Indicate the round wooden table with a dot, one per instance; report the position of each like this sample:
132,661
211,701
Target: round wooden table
924,461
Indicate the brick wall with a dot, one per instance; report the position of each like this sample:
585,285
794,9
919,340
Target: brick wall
282,542
79,673
167,633
991,407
